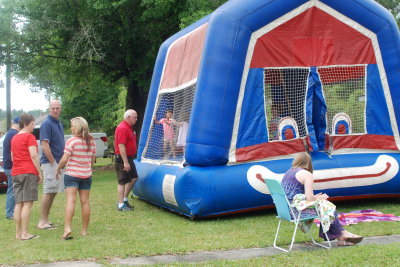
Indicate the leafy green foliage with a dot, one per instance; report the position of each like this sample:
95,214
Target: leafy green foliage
196,10
92,100
393,6
71,48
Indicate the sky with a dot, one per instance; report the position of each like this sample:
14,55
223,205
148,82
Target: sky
22,97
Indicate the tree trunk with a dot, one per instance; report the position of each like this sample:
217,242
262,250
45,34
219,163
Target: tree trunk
136,99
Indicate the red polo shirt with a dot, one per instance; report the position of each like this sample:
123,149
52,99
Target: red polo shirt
125,135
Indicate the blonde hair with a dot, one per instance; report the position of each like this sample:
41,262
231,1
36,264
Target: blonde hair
82,129
303,160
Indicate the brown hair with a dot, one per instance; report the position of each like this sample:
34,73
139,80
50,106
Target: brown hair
82,130
25,119
303,160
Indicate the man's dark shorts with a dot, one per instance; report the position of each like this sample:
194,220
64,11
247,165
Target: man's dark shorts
123,176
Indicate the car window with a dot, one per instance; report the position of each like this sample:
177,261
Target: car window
36,133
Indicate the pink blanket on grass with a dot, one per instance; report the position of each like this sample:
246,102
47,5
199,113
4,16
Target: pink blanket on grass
358,216
354,217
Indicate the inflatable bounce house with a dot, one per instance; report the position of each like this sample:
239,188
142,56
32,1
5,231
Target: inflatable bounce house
237,94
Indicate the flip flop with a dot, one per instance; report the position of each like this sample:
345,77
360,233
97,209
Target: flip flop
354,240
67,237
344,243
32,237
47,228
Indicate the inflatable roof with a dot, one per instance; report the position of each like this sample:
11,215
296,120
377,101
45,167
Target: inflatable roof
237,94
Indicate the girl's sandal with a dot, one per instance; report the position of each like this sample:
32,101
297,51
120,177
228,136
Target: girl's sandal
355,239
344,243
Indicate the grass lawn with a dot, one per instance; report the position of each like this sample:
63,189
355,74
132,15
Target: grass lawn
150,230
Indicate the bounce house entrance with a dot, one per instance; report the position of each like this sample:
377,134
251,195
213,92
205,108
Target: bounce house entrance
285,91
315,103
167,138
344,91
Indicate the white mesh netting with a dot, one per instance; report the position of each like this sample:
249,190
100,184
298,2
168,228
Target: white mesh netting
167,135
344,91
285,90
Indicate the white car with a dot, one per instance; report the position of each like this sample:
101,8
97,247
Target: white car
1,147
101,142
3,177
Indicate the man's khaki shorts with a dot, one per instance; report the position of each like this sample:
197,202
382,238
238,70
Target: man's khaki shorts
50,183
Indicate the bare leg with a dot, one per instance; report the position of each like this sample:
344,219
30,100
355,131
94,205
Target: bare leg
25,216
85,204
121,192
17,219
69,210
165,149
47,202
172,145
128,187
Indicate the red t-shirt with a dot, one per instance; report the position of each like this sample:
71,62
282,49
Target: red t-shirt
125,135
22,162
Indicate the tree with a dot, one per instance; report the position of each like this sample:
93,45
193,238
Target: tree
393,6
7,45
67,45
195,10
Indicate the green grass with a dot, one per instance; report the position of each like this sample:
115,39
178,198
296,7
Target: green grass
102,162
151,230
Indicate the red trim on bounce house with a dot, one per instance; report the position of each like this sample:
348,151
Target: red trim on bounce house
183,61
308,141
327,142
366,141
341,74
369,175
270,149
313,38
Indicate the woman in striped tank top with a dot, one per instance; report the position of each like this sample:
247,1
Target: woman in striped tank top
79,156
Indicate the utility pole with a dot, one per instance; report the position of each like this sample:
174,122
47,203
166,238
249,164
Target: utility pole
8,91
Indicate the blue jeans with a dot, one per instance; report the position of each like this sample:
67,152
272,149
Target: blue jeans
10,202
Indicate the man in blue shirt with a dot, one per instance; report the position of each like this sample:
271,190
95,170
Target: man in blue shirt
52,142
7,166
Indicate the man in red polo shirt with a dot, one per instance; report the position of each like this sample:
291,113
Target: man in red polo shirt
125,150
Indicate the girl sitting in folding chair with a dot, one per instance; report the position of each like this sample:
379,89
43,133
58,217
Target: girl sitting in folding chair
298,186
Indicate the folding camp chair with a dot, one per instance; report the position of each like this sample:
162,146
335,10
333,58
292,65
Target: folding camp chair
285,212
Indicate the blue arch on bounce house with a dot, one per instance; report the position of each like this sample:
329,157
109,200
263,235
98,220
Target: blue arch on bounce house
271,78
